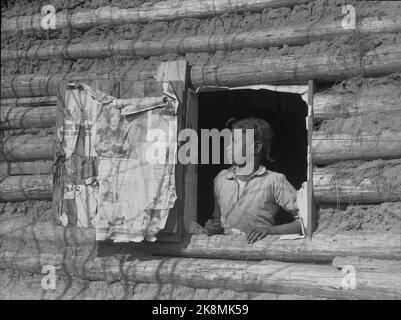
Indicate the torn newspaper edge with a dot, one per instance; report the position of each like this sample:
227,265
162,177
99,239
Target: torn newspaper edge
137,105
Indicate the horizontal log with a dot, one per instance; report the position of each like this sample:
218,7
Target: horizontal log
295,69
27,117
328,189
27,286
264,38
26,187
326,105
260,276
34,85
27,148
363,264
358,182
25,168
330,148
29,102
46,233
160,11
291,69
322,248
370,97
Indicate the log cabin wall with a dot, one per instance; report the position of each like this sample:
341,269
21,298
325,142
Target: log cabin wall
356,153
357,111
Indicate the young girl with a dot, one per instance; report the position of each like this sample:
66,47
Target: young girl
248,202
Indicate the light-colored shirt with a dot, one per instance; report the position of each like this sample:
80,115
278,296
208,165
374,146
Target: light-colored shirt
264,192
241,185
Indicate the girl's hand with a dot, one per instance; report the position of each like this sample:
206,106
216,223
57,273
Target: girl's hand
213,227
259,233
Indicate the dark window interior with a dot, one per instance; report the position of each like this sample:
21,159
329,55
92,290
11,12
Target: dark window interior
286,114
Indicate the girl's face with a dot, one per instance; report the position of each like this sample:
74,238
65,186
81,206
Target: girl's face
240,147
115,115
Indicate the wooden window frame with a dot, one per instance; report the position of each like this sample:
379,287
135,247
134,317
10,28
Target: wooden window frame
306,92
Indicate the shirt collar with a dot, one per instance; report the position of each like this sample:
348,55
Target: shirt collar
232,172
